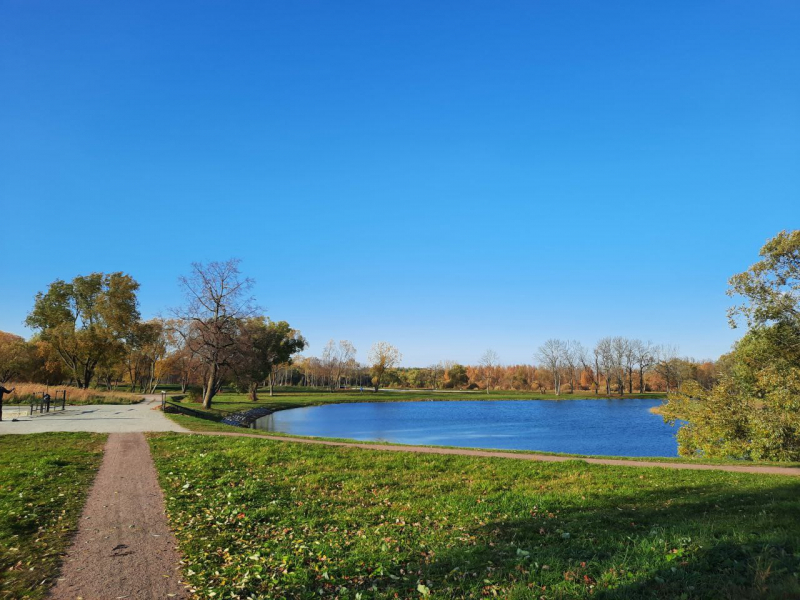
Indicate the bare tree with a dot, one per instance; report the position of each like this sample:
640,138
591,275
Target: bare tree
218,299
336,359
551,354
435,369
667,366
571,362
597,355
582,358
619,351
645,358
629,355
604,361
489,362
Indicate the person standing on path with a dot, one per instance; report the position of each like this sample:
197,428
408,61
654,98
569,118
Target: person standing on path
2,392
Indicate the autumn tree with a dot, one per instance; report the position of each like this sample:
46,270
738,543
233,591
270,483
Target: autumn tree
15,357
382,357
753,412
146,351
455,376
217,301
770,289
265,345
86,319
181,361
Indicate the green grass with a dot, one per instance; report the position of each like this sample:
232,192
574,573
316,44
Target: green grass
201,425
44,479
227,403
256,518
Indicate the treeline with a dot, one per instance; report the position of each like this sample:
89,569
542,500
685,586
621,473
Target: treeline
89,332
746,404
617,365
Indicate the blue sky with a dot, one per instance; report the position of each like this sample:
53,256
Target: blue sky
448,177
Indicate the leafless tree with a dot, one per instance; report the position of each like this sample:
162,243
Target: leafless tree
619,353
551,354
435,369
336,358
629,356
582,358
644,353
572,362
489,362
217,300
667,365
597,355
604,359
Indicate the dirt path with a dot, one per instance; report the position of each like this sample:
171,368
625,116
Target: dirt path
792,471
123,548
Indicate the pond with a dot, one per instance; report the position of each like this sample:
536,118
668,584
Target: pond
608,427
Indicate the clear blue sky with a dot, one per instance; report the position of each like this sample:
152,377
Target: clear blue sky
444,176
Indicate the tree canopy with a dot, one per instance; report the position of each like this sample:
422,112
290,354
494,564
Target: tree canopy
86,319
753,412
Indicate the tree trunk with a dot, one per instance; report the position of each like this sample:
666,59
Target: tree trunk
210,387
271,384
253,391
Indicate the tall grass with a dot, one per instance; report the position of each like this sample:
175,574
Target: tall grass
24,393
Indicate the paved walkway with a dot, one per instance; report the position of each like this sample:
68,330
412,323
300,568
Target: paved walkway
621,462
99,418
123,548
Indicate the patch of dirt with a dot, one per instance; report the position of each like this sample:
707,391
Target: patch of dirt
123,547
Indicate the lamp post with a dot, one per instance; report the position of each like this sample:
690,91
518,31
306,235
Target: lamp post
163,399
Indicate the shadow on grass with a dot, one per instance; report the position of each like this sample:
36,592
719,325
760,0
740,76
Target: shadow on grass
616,549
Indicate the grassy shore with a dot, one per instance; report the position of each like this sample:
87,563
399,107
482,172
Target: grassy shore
256,518
200,425
44,479
225,404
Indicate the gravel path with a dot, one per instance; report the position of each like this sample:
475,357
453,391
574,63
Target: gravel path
123,547
792,471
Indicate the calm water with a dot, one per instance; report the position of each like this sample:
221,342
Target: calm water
610,427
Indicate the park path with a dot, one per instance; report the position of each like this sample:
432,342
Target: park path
100,418
123,547
619,462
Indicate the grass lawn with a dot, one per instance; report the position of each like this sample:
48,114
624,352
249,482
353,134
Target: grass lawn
227,403
44,479
256,518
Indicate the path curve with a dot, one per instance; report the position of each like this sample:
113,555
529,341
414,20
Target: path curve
123,547
618,462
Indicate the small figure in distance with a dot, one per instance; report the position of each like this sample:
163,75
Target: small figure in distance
2,392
